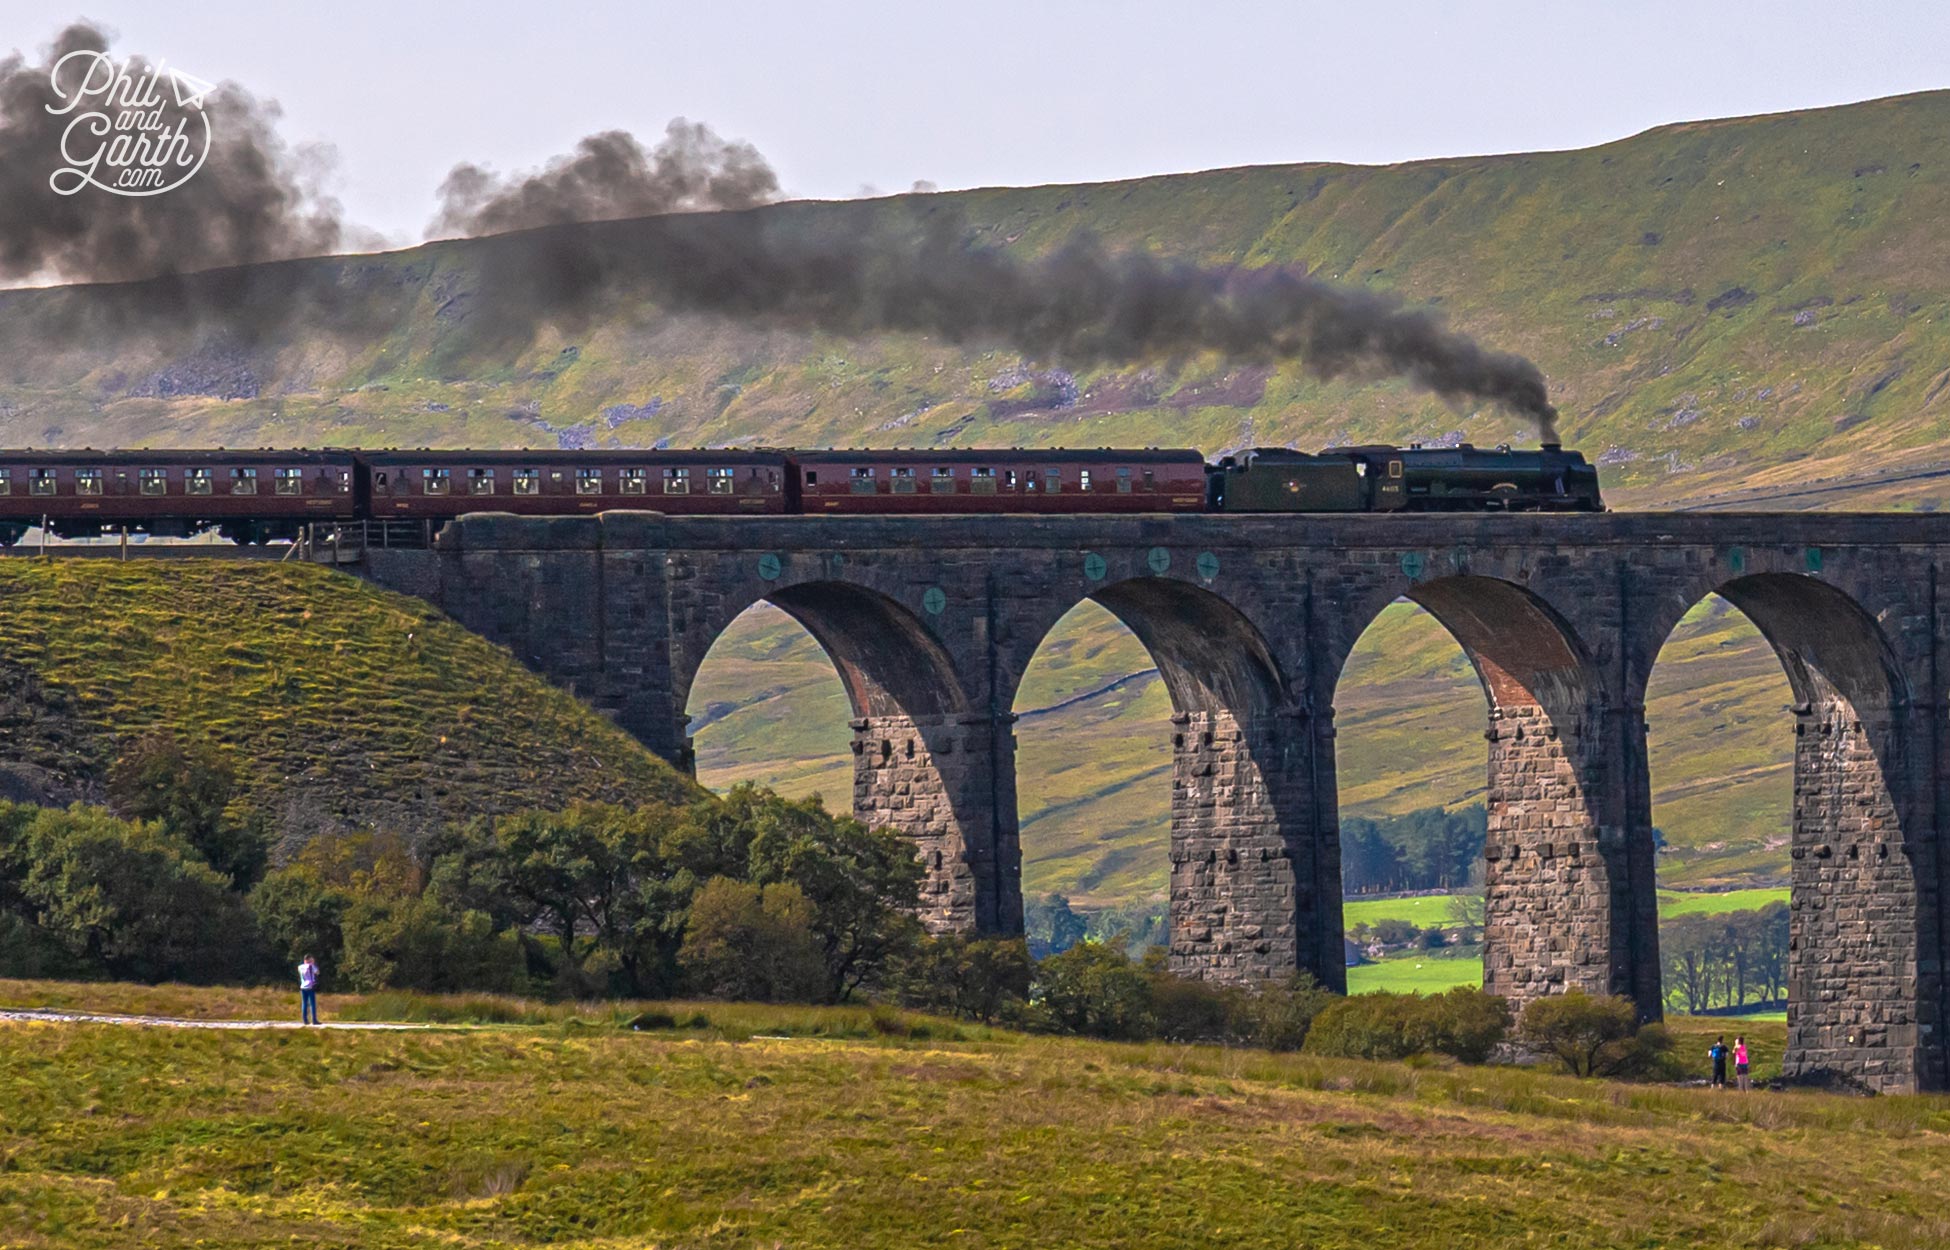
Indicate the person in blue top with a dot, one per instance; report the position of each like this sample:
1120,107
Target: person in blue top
1718,1054
308,990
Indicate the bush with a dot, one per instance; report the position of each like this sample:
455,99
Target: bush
187,789
300,915
418,943
1280,1015
130,901
751,942
967,978
1464,1023
1592,1036
1094,989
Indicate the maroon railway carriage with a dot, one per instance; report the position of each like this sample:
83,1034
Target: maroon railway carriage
999,480
435,485
251,495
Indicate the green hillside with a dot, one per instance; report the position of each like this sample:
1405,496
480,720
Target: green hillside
1742,312
340,706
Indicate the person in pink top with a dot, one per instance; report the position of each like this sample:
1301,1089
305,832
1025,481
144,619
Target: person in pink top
1740,1063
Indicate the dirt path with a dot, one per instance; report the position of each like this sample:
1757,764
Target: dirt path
49,1015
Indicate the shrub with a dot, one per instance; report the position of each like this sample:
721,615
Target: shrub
745,941
1464,1023
300,915
1369,1026
129,900
1094,989
1592,1036
1279,1015
967,978
1188,1010
187,789
418,943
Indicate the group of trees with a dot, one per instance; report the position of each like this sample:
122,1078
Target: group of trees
1725,960
1430,849
751,896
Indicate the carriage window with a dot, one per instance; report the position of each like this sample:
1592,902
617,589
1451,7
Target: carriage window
634,481
86,481
860,481
589,481
812,479
1083,479
1394,468
528,481
942,481
480,481
1150,480
1008,479
432,481
719,480
1052,480
677,481
904,481
344,481
197,482
6,481
982,482
1124,481
244,481
40,481
1029,480
154,481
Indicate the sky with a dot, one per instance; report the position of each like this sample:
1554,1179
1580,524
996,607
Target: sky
852,98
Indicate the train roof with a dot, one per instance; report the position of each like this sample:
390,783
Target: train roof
551,455
1000,455
158,457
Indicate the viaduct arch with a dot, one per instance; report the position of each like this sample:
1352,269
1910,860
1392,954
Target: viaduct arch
932,622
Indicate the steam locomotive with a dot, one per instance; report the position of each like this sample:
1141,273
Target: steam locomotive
270,494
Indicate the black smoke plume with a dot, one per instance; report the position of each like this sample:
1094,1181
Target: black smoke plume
611,176
926,271
253,199
615,228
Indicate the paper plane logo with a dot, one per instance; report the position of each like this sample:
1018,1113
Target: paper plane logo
125,134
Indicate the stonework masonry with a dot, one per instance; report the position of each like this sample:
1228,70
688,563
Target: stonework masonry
932,622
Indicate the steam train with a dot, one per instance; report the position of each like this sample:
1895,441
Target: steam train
271,494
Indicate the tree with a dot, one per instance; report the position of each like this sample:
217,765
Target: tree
1053,926
966,977
1095,989
1469,911
593,877
132,901
745,941
1591,1036
188,789
300,914
418,943
864,885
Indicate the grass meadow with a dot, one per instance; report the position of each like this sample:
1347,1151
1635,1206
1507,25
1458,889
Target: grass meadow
745,1126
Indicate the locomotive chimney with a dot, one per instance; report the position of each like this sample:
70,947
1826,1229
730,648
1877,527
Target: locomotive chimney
1553,447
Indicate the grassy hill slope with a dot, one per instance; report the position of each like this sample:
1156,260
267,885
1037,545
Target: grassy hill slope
340,705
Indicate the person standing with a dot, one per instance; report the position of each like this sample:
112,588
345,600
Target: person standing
1740,1063
1718,1054
308,990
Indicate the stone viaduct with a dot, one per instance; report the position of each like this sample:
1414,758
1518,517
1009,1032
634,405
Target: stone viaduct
932,622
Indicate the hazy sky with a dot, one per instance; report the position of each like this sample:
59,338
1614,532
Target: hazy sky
844,96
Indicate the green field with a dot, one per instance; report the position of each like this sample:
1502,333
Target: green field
832,1130
1418,973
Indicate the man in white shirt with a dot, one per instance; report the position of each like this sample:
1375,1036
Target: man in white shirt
308,990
